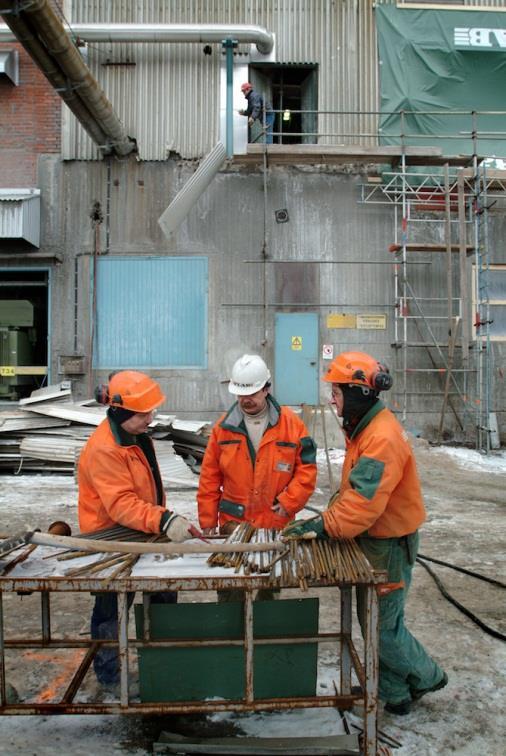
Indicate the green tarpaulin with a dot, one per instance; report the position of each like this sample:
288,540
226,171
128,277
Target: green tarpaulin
443,61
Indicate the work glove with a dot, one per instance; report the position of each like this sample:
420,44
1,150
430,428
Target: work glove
251,121
312,528
176,527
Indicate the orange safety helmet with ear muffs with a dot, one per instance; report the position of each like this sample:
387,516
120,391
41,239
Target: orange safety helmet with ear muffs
361,369
130,390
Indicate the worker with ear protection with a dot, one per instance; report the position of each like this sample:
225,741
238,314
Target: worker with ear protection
120,483
380,504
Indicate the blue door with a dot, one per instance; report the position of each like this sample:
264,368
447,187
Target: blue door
296,358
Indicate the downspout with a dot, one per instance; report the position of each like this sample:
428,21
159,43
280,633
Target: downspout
42,34
187,197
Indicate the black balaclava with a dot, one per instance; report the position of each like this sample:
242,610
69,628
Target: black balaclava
358,400
120,414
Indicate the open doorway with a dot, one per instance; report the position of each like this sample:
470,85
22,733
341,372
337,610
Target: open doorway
24,329
290,89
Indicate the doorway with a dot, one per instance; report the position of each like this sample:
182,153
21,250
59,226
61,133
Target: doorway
24,331
296,358
290,89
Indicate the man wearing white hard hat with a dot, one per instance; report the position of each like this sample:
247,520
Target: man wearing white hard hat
260,462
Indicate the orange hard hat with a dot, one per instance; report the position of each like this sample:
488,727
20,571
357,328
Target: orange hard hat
246,87
361,369
133,391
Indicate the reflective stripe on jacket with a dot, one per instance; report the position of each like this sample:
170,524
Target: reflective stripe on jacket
237,484
380,489
116,485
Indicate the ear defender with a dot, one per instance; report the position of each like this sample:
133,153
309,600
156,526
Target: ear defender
382,380
102,393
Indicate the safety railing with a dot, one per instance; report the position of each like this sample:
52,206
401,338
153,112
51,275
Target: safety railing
456,131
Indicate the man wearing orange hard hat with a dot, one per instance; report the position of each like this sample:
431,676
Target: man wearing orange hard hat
380,504
120,483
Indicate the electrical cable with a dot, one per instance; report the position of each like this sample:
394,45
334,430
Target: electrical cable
477,575
489,630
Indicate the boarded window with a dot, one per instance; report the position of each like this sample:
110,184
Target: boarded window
151,312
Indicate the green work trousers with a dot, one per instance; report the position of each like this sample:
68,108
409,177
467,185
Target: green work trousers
404,664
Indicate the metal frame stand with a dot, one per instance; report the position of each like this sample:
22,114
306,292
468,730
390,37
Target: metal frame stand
367,672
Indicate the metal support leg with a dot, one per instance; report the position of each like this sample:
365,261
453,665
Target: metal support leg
46,616
146,603
3,697
371,660
345,594
248,644
123,646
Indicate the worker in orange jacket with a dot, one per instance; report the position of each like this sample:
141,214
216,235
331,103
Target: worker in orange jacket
120,483
380,503
260,462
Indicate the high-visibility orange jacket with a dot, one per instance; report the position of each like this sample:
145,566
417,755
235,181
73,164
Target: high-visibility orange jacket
237,484
116,484
380,491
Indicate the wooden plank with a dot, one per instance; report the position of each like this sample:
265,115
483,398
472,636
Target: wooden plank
326,745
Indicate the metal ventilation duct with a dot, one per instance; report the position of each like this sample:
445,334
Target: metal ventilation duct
188,196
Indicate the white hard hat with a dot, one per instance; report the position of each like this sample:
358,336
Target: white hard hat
249,375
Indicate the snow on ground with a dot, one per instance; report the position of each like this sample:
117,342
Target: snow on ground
465,499
495,462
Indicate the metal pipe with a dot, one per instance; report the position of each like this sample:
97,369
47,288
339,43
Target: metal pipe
242,33
229,45
41,58
66,63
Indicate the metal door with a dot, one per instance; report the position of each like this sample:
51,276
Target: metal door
296,358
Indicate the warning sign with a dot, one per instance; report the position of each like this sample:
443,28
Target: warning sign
341,320
297,343
328,351
372,322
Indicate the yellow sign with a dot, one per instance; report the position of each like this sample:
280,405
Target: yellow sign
296,343
372,322
7,371
340,320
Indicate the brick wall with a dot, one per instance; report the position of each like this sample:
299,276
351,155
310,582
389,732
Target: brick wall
30,123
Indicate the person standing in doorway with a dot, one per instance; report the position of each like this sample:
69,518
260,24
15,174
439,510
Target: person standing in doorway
258,110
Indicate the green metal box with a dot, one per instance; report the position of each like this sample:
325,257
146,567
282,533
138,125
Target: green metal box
199,673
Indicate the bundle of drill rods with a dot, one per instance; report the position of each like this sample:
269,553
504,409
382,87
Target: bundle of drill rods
122,563
302,560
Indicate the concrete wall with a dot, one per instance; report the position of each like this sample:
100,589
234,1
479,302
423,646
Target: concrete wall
327,223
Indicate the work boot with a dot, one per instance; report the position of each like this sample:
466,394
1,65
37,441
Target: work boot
416,694
400,709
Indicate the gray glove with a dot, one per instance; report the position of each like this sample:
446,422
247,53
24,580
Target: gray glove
177,528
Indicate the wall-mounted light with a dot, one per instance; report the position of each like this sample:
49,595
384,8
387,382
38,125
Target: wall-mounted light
287,115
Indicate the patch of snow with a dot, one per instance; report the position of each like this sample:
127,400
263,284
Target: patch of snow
495,462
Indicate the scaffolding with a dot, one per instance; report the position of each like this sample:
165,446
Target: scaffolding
442,322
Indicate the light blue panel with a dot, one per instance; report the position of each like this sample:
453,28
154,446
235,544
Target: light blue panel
296,372
151,312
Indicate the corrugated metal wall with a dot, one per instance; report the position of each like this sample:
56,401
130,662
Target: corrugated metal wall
151,312
176,106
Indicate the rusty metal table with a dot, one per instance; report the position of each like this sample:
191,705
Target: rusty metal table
205,578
